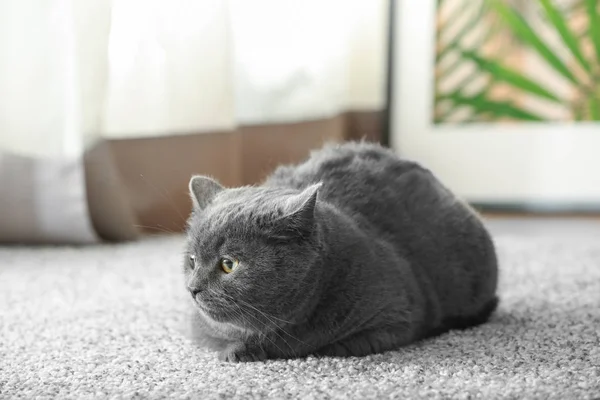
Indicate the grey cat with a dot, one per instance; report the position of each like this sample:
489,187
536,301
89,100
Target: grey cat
353,252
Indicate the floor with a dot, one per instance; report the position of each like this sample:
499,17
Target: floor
111,321
567,227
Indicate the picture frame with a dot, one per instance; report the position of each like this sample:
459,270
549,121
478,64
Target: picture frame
544,166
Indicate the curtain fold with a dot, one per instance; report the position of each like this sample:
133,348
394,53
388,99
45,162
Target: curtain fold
77,76
52,78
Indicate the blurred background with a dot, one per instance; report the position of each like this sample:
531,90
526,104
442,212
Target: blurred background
107,107
501,99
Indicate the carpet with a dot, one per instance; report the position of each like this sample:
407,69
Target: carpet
110,321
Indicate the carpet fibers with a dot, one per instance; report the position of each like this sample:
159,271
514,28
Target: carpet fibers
110,321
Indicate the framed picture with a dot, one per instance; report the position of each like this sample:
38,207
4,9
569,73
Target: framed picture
501,98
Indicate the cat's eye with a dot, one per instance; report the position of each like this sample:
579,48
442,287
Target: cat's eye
228,264
192,261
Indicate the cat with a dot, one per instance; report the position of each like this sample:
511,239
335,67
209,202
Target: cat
353,252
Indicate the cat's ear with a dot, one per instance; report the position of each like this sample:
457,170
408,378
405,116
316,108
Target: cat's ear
203,190
299,212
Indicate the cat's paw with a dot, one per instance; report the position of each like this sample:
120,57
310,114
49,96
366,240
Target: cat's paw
334,350
242,353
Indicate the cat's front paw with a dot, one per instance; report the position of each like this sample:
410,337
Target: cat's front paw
242,353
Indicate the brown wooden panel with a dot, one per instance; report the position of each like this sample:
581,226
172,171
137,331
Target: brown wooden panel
364,125
264,147
155,171
108,200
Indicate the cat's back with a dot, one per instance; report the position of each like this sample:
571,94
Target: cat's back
406,205
401,200
351,173
361,178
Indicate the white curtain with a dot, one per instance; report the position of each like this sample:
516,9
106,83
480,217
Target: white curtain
73,72
52,79
194,65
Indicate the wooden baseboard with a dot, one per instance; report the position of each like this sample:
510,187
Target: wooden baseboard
538,210
155,171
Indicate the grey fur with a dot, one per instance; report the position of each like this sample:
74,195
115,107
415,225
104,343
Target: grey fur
353,252
203,190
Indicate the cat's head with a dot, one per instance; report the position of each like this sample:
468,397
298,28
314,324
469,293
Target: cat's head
252,253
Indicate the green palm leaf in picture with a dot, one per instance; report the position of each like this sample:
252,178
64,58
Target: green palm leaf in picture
505,74
594,26
518,61
567,36
481,105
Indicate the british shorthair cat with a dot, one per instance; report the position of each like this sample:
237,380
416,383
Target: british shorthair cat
353,252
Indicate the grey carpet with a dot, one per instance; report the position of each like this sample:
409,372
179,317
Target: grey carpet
109,321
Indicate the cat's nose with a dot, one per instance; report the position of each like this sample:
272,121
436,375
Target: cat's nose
194,290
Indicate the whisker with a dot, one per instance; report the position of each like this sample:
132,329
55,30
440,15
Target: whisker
233,300
278,327
156,228
264,313
165,195
266,335
281,328
164,227
241,313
